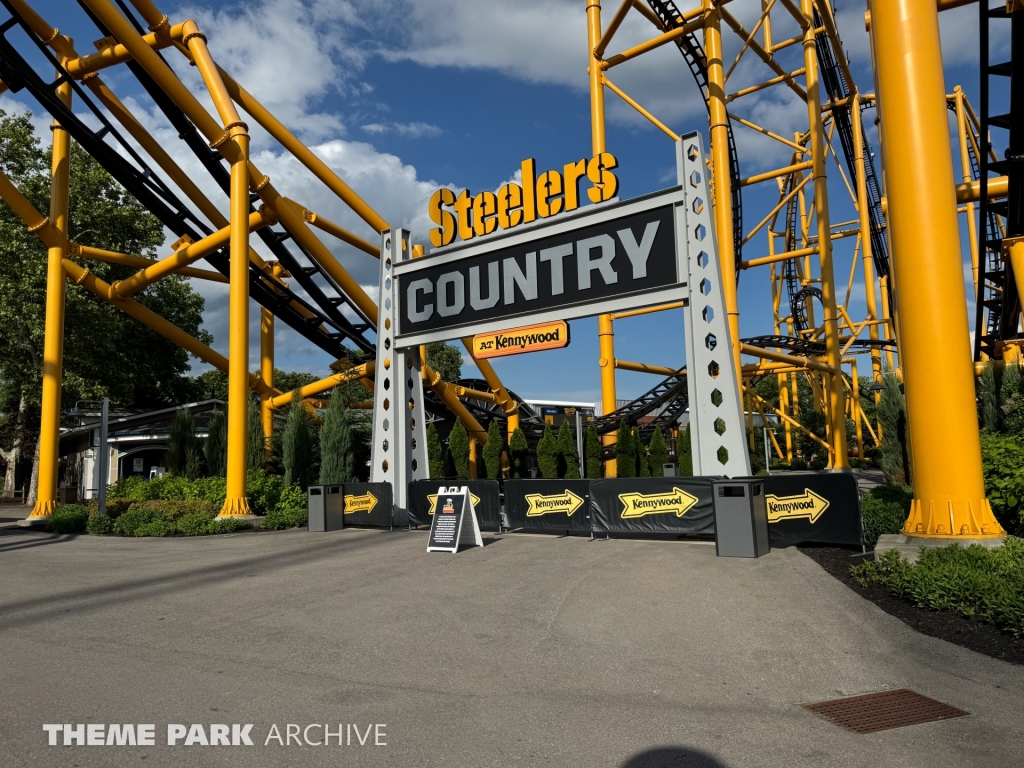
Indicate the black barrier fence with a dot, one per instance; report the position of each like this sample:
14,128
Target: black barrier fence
813,508
486,495
371,504
652,505
551,505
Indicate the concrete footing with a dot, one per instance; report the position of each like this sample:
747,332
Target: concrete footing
33,522
254,521
910,546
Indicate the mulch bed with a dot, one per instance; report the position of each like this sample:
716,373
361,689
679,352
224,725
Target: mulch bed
968,633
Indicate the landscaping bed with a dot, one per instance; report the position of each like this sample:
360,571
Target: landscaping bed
971,633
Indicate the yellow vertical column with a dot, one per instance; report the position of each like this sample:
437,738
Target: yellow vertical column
949,496
606,331
267,372
718,122
855,409
836,409
53,340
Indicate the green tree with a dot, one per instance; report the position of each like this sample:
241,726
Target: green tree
458,446
643,461
988,397
336,450
183,444
684,452
435,453
658,452
519,454
892,412
445,359
256,443
297,447
493,450
625,452
592,453
569,461
215,449
106,353
547,454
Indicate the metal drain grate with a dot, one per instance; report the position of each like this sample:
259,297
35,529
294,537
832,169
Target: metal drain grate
884,710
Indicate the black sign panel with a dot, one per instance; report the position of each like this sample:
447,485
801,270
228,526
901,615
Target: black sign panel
632,254
556,505
822,508
486,501
447,523
652,505
369,504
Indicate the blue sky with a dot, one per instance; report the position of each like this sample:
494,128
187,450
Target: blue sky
403,96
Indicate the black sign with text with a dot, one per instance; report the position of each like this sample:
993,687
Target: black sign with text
423,497
369,504
557,505
652,505
447,523
600,261
812,507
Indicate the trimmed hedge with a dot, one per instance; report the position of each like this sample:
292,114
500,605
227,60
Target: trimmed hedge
68,518
884,510
290,512
975,582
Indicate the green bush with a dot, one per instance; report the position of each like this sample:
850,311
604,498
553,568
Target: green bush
290,511
884,510
68,518
98,524
194,524
975,582
129,488
1002,460
172,510
135,518
226,525
547,454
263,491
158,527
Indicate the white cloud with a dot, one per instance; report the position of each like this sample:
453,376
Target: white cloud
413,130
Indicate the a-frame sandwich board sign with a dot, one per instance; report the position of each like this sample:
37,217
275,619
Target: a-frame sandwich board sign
454,522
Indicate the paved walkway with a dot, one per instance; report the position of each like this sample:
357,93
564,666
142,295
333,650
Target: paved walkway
534,651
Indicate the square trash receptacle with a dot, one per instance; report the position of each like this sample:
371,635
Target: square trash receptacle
741,519
334,507
316,508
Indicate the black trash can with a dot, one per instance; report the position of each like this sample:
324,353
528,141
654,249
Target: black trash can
334,507
316,508
741,519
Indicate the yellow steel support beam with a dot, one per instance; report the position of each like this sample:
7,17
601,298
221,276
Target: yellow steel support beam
612,28
323,385
447,393
828,289
342,234
53,339
949,496
115,53
666,37
113,257
82,276
970,192
660,370
649,310
797,361
626,98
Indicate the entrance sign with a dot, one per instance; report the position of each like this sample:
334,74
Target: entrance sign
598,259
609,257
455,523
516,341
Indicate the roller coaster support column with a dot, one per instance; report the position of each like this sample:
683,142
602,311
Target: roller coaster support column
606,332
949,492
53,342
720,172
236,504
819,153
267,365
865,240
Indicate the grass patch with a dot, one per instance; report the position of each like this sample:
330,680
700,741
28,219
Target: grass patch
975,582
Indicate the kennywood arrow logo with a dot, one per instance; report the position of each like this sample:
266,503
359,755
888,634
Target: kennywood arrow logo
432,498
555,504
676,501
364,503
807,505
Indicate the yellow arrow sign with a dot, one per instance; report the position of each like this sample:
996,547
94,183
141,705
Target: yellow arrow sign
364,503
432,498
676,501
808,504
555,504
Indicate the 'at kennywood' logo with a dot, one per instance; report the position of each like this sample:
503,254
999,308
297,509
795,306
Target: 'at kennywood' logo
677,502
554,504
432,498
807,505
364,503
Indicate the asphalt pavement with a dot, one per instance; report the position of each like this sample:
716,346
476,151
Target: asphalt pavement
532,651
